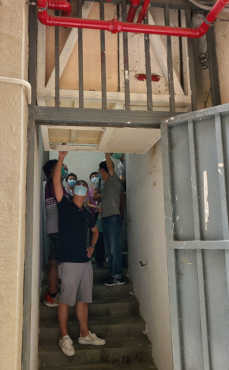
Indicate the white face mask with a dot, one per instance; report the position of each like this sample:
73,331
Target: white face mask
95,180
80,190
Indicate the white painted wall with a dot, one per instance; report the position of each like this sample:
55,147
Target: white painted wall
147,243
81,163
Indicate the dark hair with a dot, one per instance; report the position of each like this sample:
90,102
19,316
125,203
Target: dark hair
103,166
71,175
93,174
82,182
49,167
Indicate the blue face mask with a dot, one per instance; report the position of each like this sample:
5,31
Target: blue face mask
64,173
71,183
80,190
95,180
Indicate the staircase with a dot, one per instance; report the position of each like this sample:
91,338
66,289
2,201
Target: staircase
113,316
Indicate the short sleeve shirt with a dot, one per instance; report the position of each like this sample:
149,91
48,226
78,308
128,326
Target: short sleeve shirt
74,223
111,196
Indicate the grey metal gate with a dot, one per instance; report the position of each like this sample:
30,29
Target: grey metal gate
196,180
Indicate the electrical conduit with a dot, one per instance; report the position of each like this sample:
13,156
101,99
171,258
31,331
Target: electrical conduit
115,26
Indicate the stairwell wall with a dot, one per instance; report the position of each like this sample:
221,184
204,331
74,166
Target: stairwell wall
147,250
13,127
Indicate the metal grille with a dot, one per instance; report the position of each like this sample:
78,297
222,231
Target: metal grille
196,175
176,77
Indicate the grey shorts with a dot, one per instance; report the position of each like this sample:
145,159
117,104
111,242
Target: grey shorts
76,282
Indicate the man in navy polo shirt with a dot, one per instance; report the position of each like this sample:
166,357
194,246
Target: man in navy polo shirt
75,268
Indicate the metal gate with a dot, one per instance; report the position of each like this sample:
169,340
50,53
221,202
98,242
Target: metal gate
196,180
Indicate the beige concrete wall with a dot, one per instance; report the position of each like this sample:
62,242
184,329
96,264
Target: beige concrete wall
13,123
222,37
147,243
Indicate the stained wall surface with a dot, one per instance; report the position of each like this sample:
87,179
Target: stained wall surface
147,250
13,124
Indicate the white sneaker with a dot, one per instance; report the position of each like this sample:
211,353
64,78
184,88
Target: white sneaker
66,346
91,338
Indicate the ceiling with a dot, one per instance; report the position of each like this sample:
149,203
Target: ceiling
99,139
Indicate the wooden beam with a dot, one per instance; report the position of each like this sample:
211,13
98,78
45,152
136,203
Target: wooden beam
183,102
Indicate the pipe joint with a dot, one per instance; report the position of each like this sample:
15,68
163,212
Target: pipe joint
115,26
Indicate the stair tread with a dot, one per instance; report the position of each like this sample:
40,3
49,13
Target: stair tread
105,366
136,341
122,319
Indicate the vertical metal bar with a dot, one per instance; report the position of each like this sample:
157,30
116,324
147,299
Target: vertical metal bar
148,69
33,29
126,61
181,52
192,61
57,66
170,64
118,39
199,253
80,60
222,188
173,291
213,67
103,61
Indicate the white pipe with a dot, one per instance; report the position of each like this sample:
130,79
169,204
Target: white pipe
21,82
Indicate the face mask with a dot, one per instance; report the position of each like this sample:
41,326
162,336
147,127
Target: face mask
95,180
64,173
80,190
117,155
71,183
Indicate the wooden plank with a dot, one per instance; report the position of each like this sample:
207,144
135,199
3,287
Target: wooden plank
137,99
68,47
159,50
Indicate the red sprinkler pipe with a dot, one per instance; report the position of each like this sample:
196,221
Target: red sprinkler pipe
132,11
62,5
116,26
143,11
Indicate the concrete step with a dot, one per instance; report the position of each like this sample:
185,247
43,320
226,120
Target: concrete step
101,291
116,366
123,350
106,307
123,326
101,274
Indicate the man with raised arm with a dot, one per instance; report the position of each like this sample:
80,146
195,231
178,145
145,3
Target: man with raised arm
111,220
75,270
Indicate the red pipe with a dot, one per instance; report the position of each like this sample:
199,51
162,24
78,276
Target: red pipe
132,11
143,11
116,26
62,5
